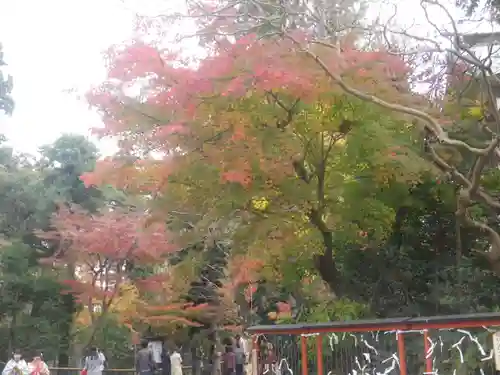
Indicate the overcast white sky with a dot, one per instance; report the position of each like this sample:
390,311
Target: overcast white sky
51,46
55,45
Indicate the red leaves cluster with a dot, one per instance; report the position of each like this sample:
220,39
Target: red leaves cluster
111,234
244,270
100,248
134,61
182,95
284,307
142,176
179,313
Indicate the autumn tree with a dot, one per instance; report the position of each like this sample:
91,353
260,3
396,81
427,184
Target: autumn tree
207,290
35,298
257,138
33,295
477,202
101,247
60,165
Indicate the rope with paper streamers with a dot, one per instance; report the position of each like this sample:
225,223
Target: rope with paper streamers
456,350
375,353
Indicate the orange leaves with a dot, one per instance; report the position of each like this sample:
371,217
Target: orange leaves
143,176
243,177
175,313
162,319
244,270
284,311
284,307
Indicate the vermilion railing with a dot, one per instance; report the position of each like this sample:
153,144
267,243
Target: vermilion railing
454,345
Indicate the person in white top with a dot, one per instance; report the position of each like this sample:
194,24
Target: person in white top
175,363
94,363
16,365
242,342
241,346
102,358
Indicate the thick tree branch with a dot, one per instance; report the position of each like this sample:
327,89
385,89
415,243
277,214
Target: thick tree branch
433,124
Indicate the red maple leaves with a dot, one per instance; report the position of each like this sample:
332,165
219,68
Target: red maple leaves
112,234
102,247
136,60
196,97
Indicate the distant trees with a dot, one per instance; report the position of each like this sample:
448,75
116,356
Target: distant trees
6,85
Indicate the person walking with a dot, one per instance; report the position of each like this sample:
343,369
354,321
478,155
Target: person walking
175,362
166,367
93,363
240,357
270,359
144,364
37,366
239,340
16,365
228,361
102,357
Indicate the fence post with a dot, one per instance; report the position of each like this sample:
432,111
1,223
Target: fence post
303,354
319,353
427,354
255,354
401,352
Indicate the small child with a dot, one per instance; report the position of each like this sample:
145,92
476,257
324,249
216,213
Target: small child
175,363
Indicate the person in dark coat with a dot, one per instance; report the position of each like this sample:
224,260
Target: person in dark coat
165,361
144,362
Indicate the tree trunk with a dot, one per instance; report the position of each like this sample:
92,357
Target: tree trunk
69,307
216,355
12,333
195,360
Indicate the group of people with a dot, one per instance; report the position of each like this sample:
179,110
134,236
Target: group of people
18,366
235,357
234,360
171,363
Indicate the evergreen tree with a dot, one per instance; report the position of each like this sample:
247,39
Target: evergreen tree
60,166
6,85
206,290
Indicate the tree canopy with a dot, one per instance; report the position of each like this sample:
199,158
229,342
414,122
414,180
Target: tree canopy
6,85
308,166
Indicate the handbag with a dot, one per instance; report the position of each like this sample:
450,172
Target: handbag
83,372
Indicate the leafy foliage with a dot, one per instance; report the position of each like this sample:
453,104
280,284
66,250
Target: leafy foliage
279,178
6,85
256,120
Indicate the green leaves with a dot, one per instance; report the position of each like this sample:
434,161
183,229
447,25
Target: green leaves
6,86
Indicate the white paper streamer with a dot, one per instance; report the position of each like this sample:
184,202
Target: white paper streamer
367,360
